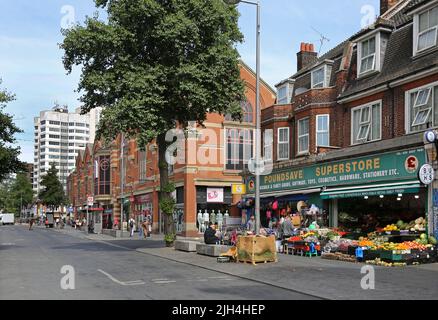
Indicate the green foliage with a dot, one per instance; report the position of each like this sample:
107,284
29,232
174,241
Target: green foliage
167,205
15,193
169,187
9,162
52,194
170,237
155,62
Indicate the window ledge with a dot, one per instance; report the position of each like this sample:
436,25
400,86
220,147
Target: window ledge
367,74
366,142
423,53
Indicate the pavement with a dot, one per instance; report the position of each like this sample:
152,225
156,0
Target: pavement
183,275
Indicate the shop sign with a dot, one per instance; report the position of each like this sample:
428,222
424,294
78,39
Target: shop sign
426,174
146,198
90,201
215,195
391,166
239,188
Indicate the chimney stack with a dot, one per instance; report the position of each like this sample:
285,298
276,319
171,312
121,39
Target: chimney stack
385,5
306,56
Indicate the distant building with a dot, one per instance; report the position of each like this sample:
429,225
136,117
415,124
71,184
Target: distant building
30,171
59,136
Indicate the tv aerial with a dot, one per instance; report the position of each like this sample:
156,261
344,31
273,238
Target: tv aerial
322,39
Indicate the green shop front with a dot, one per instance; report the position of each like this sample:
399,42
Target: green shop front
362,193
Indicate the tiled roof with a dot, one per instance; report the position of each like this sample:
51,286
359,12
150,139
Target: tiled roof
395,20
398,63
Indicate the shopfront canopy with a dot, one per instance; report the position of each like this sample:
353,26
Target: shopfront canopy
372,190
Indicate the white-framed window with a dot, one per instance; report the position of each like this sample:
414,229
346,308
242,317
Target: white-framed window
318,78
268,139
282,95
283,143
366,123
323,130
367,55
303,135
422,108
425,30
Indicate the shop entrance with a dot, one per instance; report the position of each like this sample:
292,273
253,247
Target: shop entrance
368,213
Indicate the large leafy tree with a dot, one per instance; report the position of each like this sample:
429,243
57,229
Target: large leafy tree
155,64
52,194
9,162
20,192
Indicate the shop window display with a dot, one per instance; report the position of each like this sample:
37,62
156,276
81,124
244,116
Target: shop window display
369,213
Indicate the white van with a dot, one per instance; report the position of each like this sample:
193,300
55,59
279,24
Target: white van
7,218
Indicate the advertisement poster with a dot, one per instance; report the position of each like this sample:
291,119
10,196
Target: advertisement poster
215,195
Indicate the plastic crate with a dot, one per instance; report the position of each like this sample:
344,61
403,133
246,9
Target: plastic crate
391,255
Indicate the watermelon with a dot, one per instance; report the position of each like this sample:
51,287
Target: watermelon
400,224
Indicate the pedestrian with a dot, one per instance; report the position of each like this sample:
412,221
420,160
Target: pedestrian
30,223
250,226
131,226
140,231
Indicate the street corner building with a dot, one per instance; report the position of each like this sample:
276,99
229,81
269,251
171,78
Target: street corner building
346,133
208,187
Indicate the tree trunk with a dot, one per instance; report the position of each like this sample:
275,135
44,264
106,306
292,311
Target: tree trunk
169,227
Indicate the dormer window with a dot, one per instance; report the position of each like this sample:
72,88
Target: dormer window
284,91
426,30
321,77
318,78
367,55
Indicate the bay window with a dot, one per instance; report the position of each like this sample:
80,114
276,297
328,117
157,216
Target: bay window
268,140
323,130
283,144
303,135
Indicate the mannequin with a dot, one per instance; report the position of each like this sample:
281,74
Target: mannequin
213,217
200,222
226,216
220,220
206,220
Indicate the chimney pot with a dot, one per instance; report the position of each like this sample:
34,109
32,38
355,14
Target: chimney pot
306,56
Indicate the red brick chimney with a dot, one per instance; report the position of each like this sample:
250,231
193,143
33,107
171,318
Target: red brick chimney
385,5
306,56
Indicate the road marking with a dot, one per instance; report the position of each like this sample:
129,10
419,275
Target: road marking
220,277
164,282
8,244
127,283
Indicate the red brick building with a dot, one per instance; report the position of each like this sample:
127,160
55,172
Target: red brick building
211,165
370,97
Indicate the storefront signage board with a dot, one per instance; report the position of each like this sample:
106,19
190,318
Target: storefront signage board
391,166
239,188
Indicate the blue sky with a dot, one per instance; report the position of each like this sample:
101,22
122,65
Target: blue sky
31,65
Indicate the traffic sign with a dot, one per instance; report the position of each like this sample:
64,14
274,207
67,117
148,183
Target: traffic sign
90,201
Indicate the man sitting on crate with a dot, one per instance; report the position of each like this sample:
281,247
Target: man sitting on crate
210,235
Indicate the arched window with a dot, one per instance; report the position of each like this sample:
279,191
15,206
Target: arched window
247,112
248,115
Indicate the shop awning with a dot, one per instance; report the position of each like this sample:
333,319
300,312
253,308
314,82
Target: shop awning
290,193
372,190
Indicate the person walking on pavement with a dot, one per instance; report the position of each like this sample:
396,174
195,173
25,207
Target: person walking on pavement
30,223
131,226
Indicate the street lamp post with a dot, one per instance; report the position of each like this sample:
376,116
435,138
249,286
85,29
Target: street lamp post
258,112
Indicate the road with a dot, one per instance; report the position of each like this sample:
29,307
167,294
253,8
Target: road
31,263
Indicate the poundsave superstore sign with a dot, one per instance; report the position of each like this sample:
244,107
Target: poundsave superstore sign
391,166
